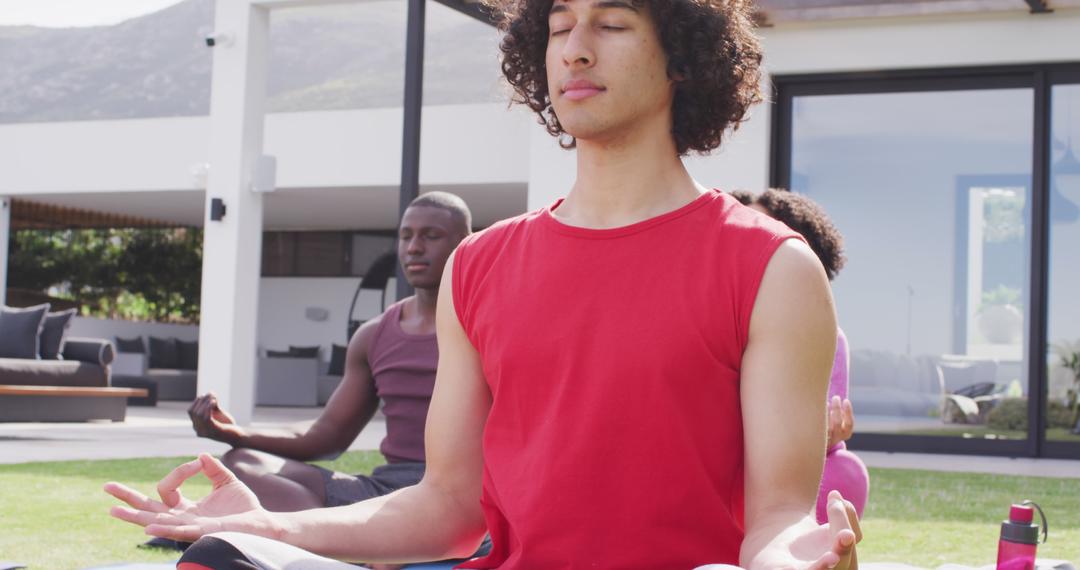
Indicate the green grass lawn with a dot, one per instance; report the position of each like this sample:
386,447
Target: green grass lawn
54,515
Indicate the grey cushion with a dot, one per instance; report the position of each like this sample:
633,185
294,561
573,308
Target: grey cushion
187,355
130,345
280,354
20,331
24,372
163,353
52,333
92,350
304,351
337,360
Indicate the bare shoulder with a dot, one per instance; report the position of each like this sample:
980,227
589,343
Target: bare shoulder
794,292
362,338
794,259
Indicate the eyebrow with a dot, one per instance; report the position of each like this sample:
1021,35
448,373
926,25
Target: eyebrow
604,5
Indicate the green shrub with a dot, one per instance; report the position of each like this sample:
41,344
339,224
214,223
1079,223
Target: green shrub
1011,414
1058,415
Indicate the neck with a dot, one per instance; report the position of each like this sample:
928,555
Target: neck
424,300
624,181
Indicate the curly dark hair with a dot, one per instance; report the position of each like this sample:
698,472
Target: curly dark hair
713,55
806,217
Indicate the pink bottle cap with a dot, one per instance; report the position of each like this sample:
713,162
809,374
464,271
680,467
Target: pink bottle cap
1021,514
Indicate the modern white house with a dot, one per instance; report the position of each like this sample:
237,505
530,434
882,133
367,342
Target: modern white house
941,135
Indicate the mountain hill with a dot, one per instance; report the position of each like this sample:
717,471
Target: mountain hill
328,57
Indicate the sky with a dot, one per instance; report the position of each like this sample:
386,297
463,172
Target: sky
75,13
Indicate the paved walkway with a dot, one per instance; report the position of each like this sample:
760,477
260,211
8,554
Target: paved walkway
162,431
165,431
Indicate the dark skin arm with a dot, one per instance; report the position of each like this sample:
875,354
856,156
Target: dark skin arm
348,411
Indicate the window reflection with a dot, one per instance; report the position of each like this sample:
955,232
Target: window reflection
1063,373
931,191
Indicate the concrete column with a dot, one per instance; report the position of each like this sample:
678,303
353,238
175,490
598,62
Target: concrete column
232,246
5,239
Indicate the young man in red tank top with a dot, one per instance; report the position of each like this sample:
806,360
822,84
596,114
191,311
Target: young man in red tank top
627,379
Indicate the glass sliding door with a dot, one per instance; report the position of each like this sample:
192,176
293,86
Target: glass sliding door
932,191
1063,315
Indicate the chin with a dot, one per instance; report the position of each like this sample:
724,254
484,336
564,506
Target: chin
423,284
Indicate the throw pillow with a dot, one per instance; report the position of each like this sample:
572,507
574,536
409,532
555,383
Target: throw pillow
130,345
304,351
279,354
20,331
52,333
337,360
187,355
163,353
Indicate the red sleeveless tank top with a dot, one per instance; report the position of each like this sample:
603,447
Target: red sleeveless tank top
615,434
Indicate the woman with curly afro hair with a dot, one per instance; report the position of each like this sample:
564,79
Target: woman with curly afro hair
626,378
844,470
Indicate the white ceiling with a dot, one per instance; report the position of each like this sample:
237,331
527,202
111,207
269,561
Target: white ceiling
298,208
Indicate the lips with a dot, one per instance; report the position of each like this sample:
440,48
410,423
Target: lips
579,89
416,265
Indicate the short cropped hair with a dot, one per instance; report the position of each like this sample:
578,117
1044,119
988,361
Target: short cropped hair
449,202
713,55
807,217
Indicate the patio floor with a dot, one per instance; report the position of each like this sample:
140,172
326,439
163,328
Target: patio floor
165,431
161,431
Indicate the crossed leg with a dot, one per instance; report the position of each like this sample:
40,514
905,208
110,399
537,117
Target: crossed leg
282,485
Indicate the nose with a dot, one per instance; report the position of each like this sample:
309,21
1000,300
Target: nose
578,52
415,245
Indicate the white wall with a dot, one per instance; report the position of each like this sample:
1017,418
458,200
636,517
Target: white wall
921,42
461,144
283,300
108,329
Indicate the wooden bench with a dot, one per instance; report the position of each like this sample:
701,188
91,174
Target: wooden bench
64,403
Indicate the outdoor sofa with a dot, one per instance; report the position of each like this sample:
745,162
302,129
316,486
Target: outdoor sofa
45,377
169,365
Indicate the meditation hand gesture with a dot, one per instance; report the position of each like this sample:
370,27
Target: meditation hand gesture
210,421
230,506
810,546
841,420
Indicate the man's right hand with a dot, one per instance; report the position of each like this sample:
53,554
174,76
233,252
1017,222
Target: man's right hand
210,421
231,506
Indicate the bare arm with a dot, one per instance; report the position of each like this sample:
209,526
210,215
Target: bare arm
785,374
436,519
441,516
349,410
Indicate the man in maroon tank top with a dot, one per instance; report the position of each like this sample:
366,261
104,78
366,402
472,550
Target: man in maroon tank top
627,378
391,358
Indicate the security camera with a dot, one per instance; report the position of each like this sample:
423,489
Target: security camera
218,38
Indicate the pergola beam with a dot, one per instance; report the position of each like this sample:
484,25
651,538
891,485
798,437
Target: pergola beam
28,215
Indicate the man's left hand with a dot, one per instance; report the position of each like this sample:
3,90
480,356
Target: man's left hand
809,546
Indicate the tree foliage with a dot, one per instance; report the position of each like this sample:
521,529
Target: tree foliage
137,274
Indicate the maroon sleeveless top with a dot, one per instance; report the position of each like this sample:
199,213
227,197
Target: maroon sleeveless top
403,366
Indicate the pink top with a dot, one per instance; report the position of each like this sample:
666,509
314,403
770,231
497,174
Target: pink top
403,366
